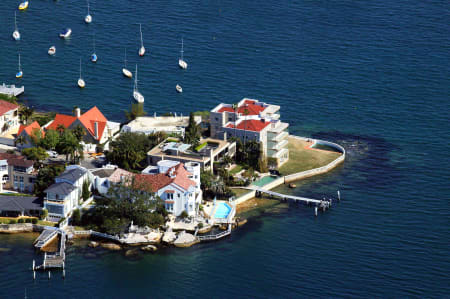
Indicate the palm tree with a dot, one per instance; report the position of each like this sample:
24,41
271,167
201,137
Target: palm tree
26,113
79,132
60,128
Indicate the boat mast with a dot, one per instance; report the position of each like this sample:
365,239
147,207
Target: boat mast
15,20
182,49
88,6
140,29
94,42
20,67
125,61
80,67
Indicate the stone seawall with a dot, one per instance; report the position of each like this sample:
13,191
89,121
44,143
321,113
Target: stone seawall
16,228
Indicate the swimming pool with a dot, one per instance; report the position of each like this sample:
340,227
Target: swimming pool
264,181
222,210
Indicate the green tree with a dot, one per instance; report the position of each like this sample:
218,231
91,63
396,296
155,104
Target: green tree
129,150
45,178
60,129
136,111
79,132
85,193
35,153
21,140
25,113
36,137
44,214
192,133
70,146
76,217
51,140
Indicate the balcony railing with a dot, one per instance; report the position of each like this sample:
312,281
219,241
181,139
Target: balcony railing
278,137
278,127
280,145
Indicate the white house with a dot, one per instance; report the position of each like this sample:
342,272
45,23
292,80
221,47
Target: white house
65,195
177,184
252,120
9,122
104,178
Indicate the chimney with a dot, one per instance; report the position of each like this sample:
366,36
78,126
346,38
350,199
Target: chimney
96,130
77,112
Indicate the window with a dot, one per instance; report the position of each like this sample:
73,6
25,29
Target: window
230,119
217,119
169,195
178,195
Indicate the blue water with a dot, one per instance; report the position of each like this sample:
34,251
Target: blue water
222,210
373,76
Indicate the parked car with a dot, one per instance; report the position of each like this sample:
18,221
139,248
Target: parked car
52,154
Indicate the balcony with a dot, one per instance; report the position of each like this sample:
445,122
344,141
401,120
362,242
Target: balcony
278,127
278,137
280,145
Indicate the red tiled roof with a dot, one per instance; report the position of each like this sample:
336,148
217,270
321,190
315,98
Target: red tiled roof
251,125
16,160
61,119
155,182
29,129
6,106
90,117
249,105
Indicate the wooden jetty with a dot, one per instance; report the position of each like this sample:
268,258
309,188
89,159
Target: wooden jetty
11,90
56,260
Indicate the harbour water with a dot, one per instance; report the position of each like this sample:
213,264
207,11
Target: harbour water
372,76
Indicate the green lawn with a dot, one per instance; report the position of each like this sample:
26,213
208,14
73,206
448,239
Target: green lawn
236,169
301,158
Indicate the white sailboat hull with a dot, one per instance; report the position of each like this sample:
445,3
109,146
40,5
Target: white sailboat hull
52,50
88,19
127,73
182,64
138,96
66,35
81,83
179,88
142,51
16,35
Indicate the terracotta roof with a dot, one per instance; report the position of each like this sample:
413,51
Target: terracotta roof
90,117
29,129
6,106
61,119
155,182
251,125
249,105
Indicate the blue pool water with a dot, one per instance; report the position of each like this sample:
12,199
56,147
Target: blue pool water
222,210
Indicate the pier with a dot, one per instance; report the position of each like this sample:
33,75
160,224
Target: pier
324,204
45,237
216,236
11,90
56,260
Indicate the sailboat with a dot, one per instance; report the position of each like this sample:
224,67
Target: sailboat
51,51
19,74
141,49
125,71
136,94
81,82
181,62
65,33
179,88
88,17
16,33
94,56
23,5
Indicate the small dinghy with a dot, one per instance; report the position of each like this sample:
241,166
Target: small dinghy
23,5
65,33
51,50
125,71
179,88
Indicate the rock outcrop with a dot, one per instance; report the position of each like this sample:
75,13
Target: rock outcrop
149,248
169,237
111,246
185,240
